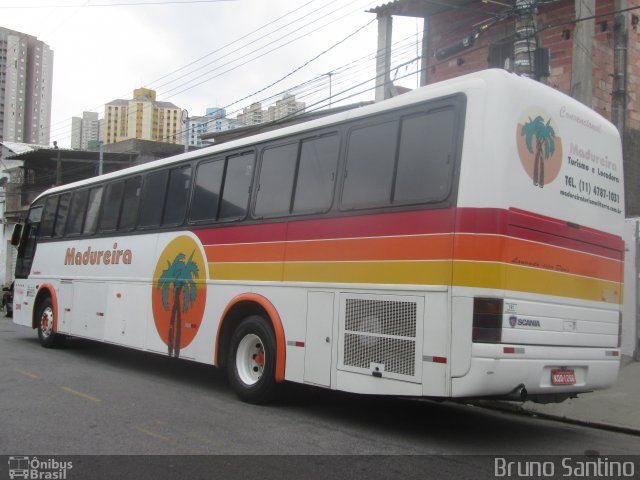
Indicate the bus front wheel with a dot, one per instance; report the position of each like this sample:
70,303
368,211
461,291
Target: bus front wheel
251,361
48,338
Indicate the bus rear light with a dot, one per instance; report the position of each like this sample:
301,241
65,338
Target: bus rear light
513,350
619,329
487,320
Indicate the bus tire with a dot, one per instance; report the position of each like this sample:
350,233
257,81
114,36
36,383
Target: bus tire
45,321
251,361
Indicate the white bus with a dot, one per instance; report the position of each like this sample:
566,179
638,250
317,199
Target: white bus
461,240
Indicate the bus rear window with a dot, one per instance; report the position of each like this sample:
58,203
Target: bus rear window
425,158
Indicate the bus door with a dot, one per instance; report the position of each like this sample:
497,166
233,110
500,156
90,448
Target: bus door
28,242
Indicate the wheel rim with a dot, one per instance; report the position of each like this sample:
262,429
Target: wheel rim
46,322
250,359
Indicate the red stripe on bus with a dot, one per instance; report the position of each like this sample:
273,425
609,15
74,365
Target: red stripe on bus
493,221
378,225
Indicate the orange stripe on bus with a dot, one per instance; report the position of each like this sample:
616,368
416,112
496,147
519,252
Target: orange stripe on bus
478,247
418,247
529,254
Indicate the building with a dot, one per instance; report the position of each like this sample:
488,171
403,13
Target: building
285,107
251,115
143,118
85,130
26,78
215,120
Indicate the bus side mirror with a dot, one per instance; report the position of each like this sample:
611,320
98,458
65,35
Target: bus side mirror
15,236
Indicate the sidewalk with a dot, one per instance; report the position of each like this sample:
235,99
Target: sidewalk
617,407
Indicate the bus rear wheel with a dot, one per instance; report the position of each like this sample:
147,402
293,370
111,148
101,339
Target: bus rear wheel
251,360
48,338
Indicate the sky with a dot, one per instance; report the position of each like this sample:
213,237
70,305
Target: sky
209,53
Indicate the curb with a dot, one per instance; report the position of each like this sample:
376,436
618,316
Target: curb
520,410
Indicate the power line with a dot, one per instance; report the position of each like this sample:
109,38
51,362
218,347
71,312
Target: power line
244,63
128,4
251,59
214,51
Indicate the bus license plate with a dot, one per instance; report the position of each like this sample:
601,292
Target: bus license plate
563,376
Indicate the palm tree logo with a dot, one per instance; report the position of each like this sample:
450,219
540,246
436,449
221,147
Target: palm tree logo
545,145
182,277
179,293
539,145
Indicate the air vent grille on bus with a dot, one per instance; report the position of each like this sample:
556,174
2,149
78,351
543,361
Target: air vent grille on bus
380,332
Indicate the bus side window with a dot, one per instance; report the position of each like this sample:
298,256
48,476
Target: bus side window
425,157
370,164
111,206
316,174
130,203
177,196
77,210
49,216
206,194
93,208
237,182
61,215
153,193
275,183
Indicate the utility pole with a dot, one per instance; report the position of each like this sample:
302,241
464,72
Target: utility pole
100,157
330,95
524,48
383,58
619,94
185,119
582,58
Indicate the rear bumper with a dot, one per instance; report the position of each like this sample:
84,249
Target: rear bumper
496,373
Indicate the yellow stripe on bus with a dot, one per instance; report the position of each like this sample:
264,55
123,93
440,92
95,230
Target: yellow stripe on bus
533,280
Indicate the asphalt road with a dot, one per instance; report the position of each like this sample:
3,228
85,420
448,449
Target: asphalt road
90,398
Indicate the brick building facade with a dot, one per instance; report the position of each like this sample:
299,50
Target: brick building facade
581,37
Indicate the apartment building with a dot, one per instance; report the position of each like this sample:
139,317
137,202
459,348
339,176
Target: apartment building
26,74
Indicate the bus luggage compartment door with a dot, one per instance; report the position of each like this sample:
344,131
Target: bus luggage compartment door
89,305
319,341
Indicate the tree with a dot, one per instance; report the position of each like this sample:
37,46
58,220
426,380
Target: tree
545,137
182,277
